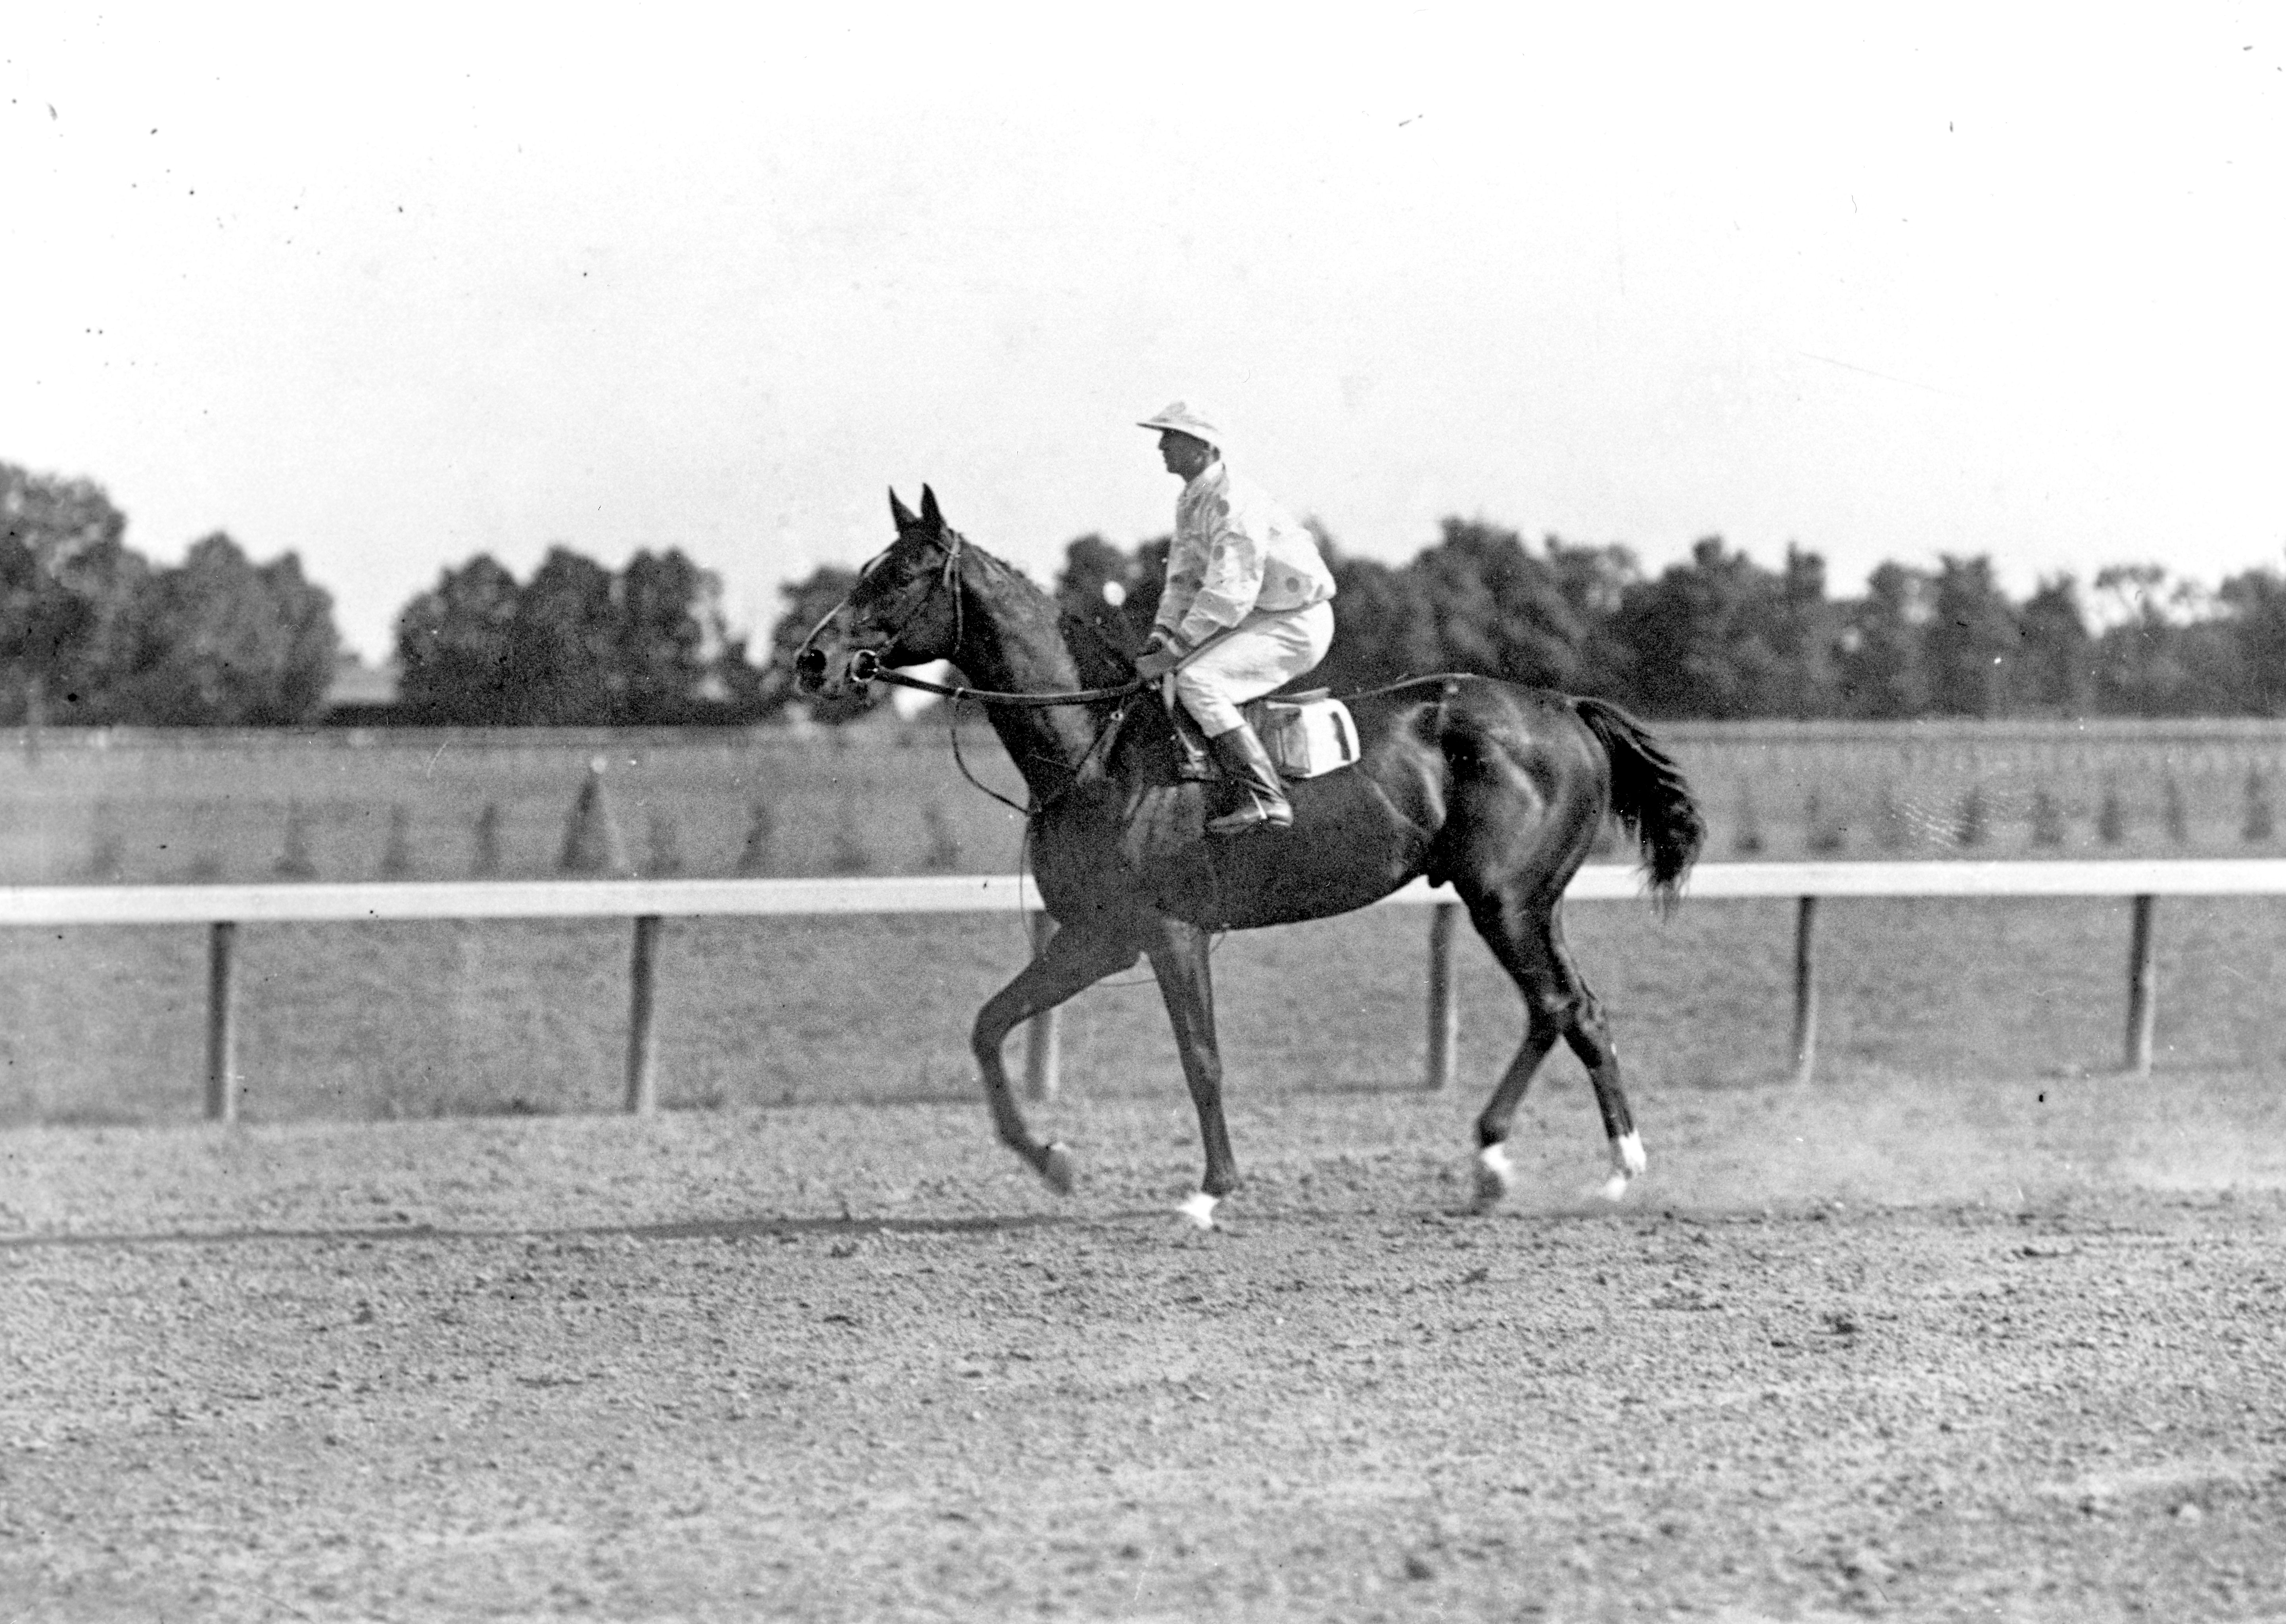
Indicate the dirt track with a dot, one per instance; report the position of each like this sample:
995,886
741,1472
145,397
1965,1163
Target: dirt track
1957,1353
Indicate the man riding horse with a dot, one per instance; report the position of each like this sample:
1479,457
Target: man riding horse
1248,607
1493,789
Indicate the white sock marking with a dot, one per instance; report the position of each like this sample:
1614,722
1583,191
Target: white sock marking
1627,1160
1199,1207
1496,1175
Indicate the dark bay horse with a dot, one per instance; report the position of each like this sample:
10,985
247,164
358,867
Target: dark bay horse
1494,789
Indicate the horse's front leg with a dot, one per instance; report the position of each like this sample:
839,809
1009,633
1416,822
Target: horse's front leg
1180,959
1073,960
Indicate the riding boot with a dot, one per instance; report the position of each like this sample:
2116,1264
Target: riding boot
1264,806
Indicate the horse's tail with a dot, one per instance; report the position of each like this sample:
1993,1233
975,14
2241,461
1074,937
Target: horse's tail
1648,797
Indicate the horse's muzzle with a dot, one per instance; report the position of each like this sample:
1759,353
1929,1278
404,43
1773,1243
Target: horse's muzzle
812,667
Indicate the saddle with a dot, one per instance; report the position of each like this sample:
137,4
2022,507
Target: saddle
1307,736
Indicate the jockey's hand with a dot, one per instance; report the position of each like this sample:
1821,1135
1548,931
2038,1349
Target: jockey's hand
1155,662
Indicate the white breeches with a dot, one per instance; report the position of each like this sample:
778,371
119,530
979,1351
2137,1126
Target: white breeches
1262,652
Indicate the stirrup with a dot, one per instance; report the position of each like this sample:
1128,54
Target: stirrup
1195,761
1256,813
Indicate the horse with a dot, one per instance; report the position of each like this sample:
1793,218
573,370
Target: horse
1495,788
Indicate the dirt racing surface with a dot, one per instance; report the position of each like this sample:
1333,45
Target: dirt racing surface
1914,1352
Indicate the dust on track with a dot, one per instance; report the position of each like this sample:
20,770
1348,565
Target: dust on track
1958,1350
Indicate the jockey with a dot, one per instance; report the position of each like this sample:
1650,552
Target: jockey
1248,606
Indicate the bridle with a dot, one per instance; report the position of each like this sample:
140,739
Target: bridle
865,664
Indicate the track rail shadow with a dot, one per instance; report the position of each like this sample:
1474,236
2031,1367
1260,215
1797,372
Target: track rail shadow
679,1229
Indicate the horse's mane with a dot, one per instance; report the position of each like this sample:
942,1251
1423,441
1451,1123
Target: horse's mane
1102,661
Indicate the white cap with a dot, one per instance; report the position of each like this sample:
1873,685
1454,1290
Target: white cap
1189,417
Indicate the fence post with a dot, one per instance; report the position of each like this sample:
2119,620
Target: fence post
222,1022
1042,1049
1805,989
2143,985
642,1045
1443,997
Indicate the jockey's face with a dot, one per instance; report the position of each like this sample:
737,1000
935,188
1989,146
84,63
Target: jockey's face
1183,453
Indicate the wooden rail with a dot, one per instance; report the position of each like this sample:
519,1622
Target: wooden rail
222,909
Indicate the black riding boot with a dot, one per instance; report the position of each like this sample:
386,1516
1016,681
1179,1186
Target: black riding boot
1264,806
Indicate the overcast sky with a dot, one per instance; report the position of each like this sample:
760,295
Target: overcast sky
392,291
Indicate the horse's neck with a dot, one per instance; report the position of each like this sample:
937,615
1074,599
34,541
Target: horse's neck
1013,642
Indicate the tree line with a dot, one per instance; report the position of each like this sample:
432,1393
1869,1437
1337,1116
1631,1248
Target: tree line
91,632
1717,637
577,645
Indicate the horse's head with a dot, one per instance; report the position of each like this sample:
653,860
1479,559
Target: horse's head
904,610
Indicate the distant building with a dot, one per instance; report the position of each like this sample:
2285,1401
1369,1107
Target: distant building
360,692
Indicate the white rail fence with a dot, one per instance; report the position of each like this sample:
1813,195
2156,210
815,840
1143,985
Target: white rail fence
222,909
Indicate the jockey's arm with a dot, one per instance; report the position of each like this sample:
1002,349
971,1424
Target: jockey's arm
1231,583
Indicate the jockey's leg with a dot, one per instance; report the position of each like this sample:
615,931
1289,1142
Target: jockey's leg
1262,653
1249,764
1204,686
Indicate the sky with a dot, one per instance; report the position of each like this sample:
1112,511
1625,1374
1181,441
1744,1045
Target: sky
392,289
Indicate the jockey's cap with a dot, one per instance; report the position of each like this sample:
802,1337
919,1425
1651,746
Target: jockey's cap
1189,417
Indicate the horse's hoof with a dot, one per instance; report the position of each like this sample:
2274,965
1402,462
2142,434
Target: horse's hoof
1628,1162
1056,1168
1495,1177
1198,1206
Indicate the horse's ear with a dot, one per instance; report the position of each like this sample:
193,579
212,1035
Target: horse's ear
930,517
900,512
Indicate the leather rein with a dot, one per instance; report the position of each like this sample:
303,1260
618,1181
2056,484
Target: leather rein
866,666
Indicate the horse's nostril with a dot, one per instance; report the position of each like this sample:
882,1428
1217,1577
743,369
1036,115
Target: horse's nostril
810,669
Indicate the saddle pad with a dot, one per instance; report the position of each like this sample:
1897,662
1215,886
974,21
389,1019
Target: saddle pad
1306,736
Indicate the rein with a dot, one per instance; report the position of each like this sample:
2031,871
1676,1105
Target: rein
866,666
1103,734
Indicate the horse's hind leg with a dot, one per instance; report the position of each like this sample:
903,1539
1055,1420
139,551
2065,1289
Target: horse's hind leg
1526,936
1590,1037
1072,961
